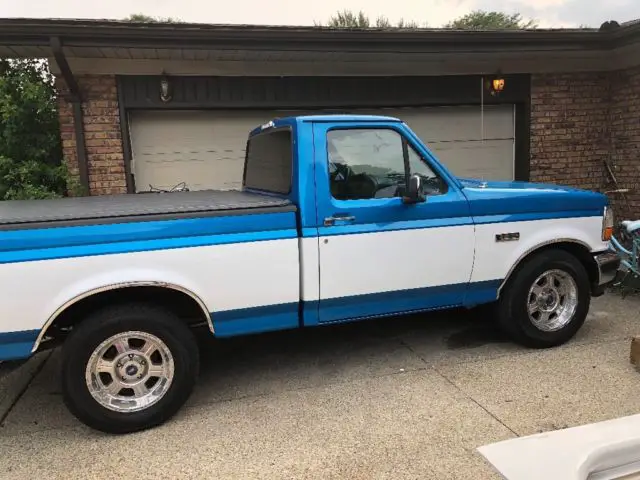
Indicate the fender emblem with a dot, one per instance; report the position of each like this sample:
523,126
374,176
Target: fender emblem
508,237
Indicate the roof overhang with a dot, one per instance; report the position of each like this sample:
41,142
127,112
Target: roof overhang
201,49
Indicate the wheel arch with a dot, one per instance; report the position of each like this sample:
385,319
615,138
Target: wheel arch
97,297
578,249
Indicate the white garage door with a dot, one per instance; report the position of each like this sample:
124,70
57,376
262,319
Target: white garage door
470,144
205,149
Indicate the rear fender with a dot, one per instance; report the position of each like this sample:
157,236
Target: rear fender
87,287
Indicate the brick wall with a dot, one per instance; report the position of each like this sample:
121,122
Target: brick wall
625,139
102,133
569,129
579,121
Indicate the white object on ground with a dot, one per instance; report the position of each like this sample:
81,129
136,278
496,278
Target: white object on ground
597,451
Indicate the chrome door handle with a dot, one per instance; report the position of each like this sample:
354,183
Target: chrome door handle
329,221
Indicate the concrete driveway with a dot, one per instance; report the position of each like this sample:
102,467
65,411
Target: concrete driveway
396,398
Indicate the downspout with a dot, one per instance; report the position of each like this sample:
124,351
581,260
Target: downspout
76,100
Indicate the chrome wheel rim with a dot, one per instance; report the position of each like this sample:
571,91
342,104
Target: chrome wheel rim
130,371
552,300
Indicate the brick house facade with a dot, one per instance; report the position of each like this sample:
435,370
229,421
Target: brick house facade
103,138
581,122
624,117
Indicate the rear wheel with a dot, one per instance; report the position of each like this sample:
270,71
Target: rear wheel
128,368
546,301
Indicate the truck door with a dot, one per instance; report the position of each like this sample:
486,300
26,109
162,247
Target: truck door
377,254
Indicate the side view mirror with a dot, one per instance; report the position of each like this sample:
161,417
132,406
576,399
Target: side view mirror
415,191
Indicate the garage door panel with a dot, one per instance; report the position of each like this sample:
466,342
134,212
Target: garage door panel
201,148
206,149
488,160
438,124
197,169
197,174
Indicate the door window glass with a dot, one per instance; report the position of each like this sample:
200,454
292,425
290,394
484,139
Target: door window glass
431,182
369,163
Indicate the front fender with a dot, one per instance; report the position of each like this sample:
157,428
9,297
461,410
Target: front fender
496,259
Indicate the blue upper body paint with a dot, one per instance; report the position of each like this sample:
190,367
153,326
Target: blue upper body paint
79,241
465,202
530,199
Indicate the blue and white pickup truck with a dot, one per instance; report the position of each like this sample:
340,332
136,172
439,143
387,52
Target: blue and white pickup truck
340,218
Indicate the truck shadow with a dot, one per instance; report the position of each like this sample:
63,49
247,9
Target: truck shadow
461,329
329,349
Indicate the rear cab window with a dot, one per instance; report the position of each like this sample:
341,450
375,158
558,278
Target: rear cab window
269,162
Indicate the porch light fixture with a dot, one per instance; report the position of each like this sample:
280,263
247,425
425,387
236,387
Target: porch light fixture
497,84
165,89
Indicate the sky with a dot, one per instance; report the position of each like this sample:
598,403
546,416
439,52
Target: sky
548,13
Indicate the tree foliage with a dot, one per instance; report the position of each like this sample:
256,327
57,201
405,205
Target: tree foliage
142,18
476,20
350,19
31,163
481,20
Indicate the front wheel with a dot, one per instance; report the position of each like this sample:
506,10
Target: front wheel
128,368
546,301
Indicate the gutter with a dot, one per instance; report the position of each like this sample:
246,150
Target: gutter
76,100
92,33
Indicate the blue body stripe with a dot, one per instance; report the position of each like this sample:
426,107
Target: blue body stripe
66,242
17,345
137,231
407,301
141,246
286,316
394,226
244,321
532,217
357,228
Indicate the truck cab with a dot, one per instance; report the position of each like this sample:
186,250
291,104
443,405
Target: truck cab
391,230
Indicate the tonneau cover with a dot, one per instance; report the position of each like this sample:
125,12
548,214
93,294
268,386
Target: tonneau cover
133,205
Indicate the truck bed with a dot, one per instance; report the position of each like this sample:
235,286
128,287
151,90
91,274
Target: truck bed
128,207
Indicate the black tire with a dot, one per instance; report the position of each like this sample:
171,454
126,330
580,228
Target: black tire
109,321
512,311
